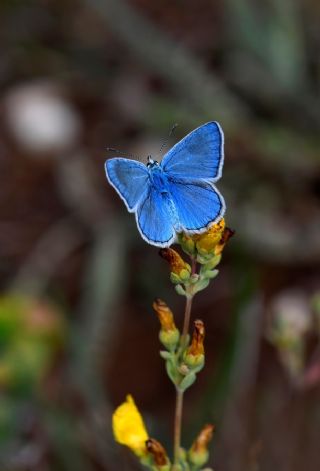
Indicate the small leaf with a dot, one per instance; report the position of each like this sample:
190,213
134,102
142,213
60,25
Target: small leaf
210,274
166,355
187,381
198,368
202,284
180,290
172,371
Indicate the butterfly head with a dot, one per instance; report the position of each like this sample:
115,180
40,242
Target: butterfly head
151,163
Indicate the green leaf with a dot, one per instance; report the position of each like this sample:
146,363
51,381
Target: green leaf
187,381
166,355
200,285
172,371
210,274
180,290
198,368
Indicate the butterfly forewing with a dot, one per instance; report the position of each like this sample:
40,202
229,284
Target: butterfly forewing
130,179
199,155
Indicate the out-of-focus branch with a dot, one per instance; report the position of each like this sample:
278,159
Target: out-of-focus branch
235,429
103,280
270,237
102,284
61,239
187,75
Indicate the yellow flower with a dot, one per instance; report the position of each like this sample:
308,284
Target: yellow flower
128,427
207,242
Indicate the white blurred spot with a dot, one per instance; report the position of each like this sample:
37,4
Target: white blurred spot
40,119
293,312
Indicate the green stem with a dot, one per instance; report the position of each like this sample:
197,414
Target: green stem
187,311
179,394
187,314
177,425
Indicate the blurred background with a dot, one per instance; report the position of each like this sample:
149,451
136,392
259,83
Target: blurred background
77,331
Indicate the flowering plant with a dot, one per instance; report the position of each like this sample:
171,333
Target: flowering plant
184,356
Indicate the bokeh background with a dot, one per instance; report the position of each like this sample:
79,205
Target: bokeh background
77,331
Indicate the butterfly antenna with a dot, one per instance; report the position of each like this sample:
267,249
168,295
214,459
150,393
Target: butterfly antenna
123,154
165,142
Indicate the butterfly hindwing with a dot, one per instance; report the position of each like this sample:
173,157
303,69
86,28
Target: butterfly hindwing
155,218
199,155
197,205
129,178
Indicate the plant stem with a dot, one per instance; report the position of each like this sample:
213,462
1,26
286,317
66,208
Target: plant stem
177,425
179,394
187,311
187,314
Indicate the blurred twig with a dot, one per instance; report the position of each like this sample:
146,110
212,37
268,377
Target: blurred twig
50,251
271,237
235,439
187,75
270,43
103,283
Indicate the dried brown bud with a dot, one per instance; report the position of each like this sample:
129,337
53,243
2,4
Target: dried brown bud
196,347
165,315
226,235
177,265
157,451
201,442
194,356
169,335
198,453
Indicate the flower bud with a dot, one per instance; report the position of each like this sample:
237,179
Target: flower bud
158,453
207,241
187,243
194,355
169,334
198,453
180,270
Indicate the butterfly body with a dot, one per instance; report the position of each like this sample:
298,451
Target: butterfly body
158,178
177,194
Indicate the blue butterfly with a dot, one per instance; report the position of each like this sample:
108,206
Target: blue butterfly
178,194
